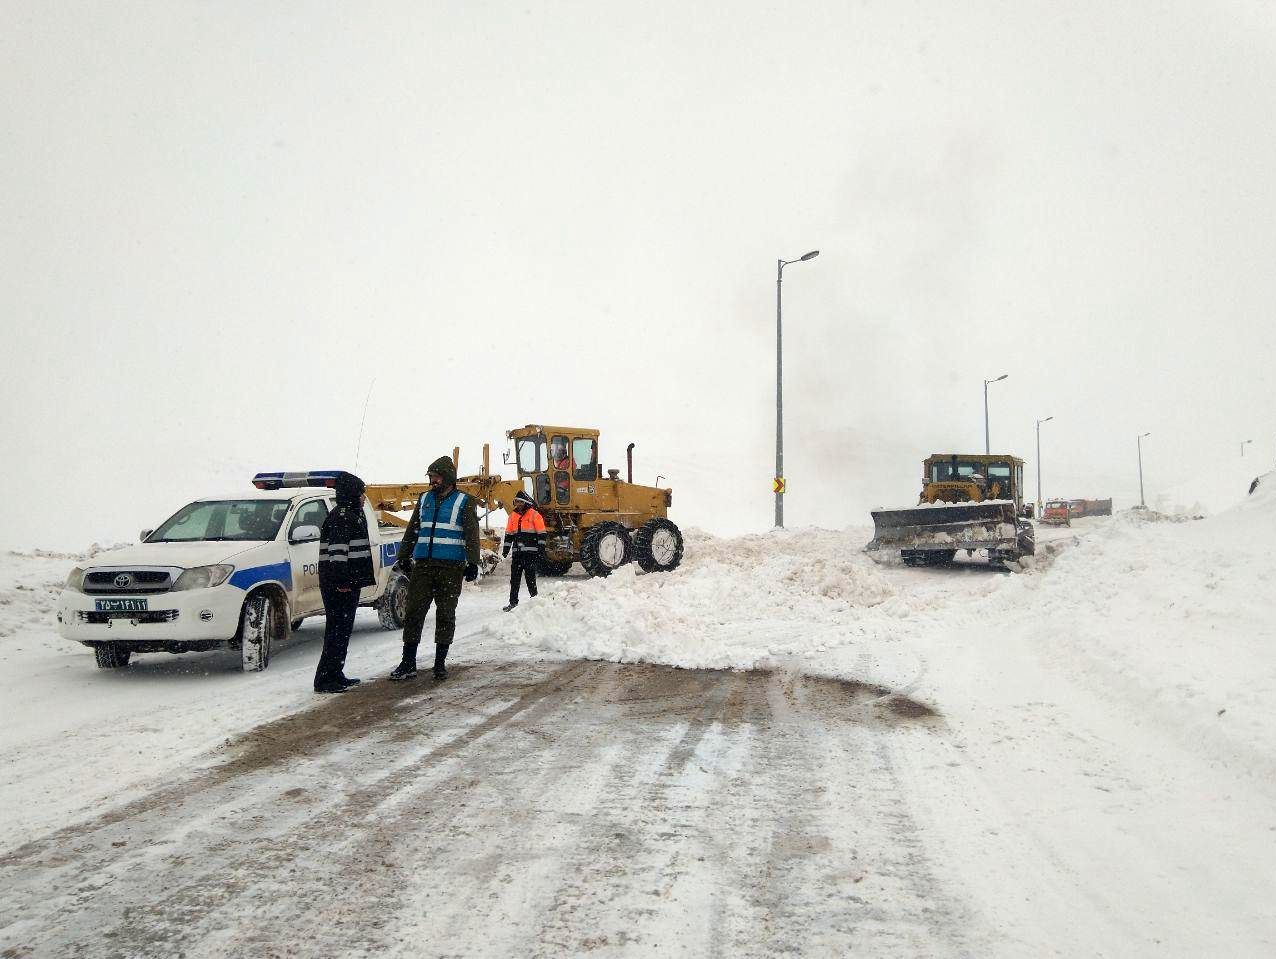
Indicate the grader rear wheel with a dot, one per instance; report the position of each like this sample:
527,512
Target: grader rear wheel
658,546
605,547
553,567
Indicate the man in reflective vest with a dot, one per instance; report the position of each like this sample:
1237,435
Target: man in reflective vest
525,535
440,548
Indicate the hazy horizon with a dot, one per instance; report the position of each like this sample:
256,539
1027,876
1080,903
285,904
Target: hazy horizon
227,225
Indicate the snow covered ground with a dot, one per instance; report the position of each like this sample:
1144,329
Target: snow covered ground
1079,761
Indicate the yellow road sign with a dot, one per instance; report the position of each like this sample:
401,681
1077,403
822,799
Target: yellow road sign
777,485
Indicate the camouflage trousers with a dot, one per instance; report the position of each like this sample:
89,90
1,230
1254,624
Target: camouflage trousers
437,584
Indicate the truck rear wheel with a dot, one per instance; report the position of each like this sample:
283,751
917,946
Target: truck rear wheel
605,547
658,546
392,607
258,630
111,655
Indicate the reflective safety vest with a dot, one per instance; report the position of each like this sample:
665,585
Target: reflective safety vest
526,531
441,534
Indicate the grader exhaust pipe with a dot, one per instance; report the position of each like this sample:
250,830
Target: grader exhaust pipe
629,459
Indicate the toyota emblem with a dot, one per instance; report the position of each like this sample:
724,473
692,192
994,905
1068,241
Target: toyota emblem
123,581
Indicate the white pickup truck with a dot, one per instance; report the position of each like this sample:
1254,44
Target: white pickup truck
238,571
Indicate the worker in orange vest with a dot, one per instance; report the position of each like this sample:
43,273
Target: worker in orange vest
525,535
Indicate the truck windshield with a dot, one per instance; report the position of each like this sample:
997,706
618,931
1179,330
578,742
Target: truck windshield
248,520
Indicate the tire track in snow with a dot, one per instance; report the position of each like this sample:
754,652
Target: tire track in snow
593,820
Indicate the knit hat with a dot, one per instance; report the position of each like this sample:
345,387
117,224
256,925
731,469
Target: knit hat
445,468
349,490
521,497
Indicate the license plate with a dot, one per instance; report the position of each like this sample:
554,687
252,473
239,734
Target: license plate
120,605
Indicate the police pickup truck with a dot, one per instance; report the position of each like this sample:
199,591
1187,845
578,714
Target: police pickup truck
238,571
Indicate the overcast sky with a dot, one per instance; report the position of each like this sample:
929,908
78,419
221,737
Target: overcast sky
226,224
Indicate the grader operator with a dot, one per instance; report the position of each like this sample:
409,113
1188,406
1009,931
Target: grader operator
968,501
601,522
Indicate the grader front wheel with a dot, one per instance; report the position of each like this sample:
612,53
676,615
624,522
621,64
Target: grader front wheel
605,547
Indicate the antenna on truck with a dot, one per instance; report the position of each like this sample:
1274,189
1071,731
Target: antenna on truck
359,442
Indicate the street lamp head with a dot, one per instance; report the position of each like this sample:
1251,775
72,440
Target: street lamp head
1001,377
1047,419
1144,434
809,256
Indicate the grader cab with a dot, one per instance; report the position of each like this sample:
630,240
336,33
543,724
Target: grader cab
600,521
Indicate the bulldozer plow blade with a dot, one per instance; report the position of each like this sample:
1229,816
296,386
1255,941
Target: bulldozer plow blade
946,527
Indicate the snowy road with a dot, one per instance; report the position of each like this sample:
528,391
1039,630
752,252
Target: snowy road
524,809
1078,763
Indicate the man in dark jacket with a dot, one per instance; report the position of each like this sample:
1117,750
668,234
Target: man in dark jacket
345,567
440,548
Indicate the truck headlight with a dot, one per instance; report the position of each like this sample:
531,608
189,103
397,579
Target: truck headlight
203,577
75,580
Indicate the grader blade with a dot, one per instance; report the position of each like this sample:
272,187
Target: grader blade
989,525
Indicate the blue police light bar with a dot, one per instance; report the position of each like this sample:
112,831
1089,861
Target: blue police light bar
288,480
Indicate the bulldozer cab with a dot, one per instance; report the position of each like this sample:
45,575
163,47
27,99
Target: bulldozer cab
960,477
557,465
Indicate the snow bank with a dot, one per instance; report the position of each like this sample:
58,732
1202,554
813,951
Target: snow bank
1221,487
732,604
1173,614
1171,611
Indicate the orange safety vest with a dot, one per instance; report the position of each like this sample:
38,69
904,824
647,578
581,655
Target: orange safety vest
526,530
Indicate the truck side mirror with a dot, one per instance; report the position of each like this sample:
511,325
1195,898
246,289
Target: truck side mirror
141,537
304,534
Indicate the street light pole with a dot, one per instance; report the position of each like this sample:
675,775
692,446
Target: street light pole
987,447
1142,501
779,383
1039,422
1243,446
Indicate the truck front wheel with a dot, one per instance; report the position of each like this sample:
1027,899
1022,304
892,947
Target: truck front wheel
258,630
392,606
111,655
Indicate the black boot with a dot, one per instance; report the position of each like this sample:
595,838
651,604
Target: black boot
407,668
440,655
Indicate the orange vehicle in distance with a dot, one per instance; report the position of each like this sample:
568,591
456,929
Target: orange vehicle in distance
1057,512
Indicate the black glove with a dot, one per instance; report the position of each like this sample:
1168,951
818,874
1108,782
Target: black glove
505,551
471,572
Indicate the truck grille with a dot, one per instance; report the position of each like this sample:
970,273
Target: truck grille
144,616
126,582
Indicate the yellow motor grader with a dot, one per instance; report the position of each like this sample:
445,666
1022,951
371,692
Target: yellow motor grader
968,501
600,521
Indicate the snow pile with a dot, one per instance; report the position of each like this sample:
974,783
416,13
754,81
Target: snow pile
1221,487
732,603
1173,614
29,586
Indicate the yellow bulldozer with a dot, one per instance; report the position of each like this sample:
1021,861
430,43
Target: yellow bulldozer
968,501
601,522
